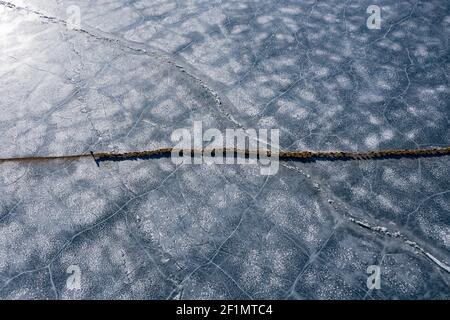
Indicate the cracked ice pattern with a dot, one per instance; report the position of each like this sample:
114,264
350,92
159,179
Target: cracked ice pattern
148,229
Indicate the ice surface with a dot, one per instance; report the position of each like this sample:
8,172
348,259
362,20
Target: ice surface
138,70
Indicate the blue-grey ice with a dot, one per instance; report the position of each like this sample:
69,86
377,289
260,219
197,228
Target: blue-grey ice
134,71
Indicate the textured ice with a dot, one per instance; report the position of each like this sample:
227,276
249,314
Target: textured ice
138,70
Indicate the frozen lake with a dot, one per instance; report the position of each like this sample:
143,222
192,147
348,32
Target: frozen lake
133,72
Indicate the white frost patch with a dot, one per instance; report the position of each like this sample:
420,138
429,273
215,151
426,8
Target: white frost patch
307,95
387,134
387,203
372,141
291,109
268,122
264,19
